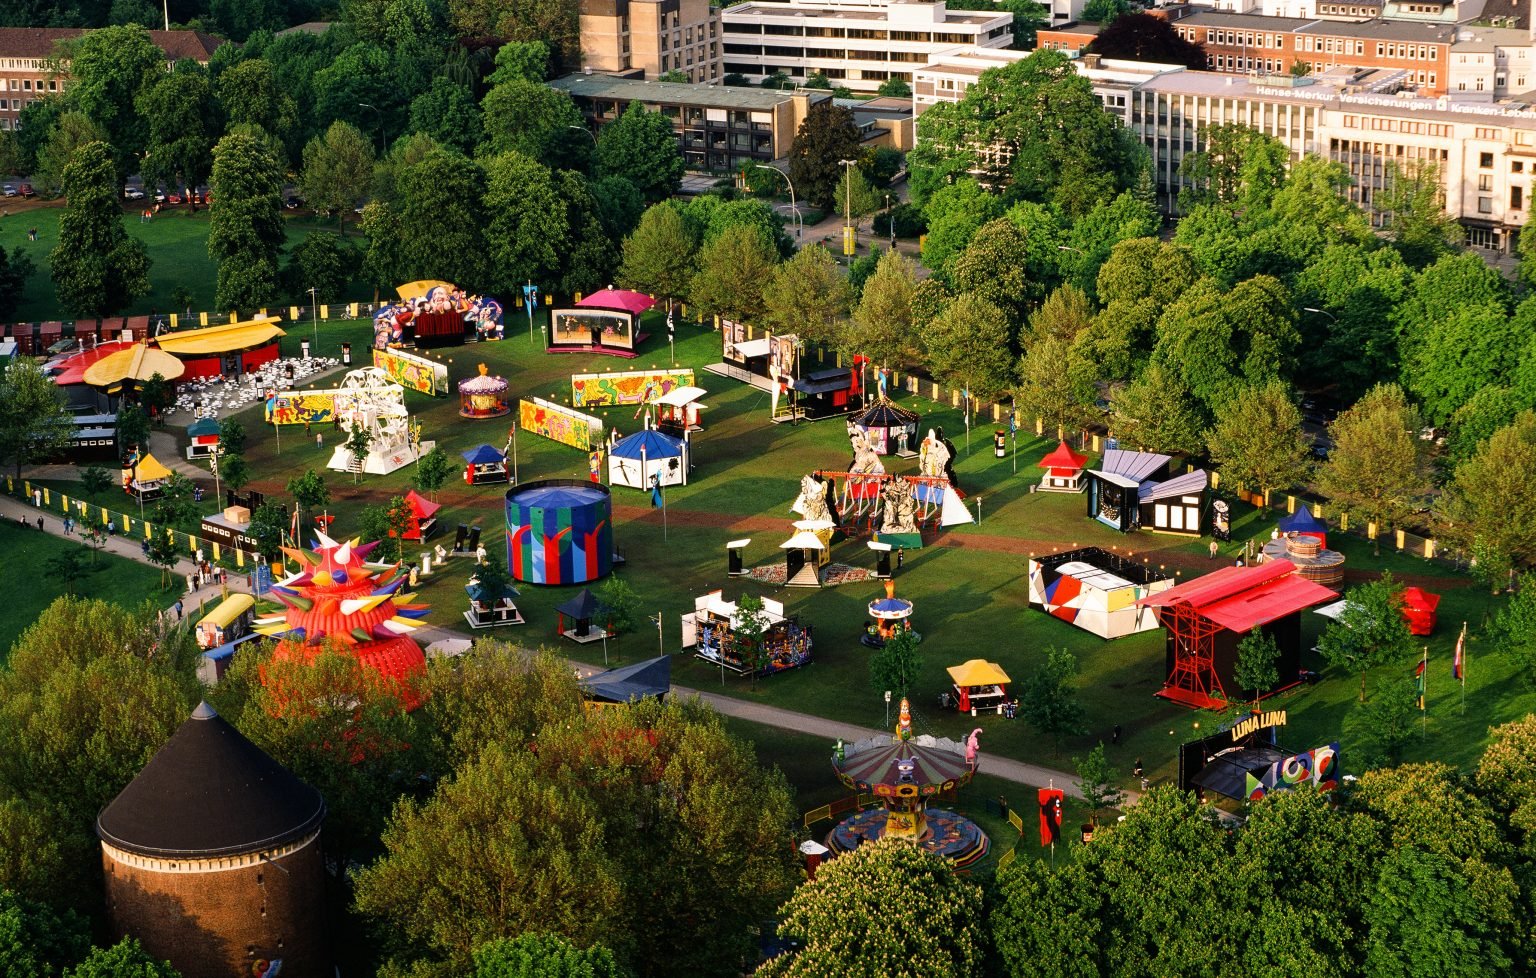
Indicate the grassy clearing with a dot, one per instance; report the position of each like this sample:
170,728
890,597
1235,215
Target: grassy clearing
29,588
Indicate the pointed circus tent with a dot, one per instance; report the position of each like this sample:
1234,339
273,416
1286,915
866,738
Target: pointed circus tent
1419,609
635,459
884,423
1303,522
628,684
633,303
423,516
1063,470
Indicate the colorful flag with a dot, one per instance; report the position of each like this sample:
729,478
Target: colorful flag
657,500
1050,815
1419,676
1461,643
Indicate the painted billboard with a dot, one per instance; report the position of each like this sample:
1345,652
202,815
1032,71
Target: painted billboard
632,387
540,417
413,372
314,407
1318,767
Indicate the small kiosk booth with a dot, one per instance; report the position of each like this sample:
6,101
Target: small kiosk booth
229,620
708,630
807,552
1063,470
143,480
204,433
680,411
485,466
487,610
980,686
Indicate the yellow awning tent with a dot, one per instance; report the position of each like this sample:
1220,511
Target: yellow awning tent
412,290
133,365
226,338
978,672
149,470
228,610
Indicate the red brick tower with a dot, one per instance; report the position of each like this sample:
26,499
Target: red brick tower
212,858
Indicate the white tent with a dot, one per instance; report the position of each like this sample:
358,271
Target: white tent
646,454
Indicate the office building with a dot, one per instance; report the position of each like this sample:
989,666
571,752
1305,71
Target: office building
649,38
858,44
28,72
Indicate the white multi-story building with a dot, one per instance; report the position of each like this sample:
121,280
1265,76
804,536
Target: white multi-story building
1491,61
859,44
1485,150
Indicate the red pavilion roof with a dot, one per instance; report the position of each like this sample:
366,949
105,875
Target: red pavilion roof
1243,598
1063,458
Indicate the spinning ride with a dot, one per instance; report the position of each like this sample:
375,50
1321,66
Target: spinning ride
889,615
904,772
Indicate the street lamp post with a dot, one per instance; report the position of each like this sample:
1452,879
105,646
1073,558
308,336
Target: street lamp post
590,135
1321,312
799,224
379,118
314,318
890,225
849,242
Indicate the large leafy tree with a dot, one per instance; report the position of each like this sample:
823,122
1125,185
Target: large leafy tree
447,112
884,327
1345,340
71,131
338,169
1156,413
827,135
1217,340
1370,631
442,220
252,94
968,347
108,68
33,422
1257,442
847,922
323,262
658,258
1048,698
535,120
733,270
125,959
183,120
1143,37
97,268
1055,383
994,266
1485,508
1413,203
546,22
1239,166
528,229
809,295
245,233
955,214
1377,470
544,956
641,147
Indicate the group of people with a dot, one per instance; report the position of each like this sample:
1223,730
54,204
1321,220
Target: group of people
390,321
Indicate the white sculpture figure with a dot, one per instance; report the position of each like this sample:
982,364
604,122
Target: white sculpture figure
898,508
933,457
865,460
811,504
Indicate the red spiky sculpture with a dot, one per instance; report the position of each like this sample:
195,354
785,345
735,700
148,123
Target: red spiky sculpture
340,597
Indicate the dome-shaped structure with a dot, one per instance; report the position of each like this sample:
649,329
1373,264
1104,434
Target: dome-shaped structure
212,858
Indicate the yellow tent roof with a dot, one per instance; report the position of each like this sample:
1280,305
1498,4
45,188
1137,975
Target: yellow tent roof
411,290
978,672
228,610
149,470
137,364
227,338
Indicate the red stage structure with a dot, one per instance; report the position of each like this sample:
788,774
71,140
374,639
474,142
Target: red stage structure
1207,617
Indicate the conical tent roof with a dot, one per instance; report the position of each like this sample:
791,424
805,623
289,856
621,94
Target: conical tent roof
583,605
885,414
653,443
210,792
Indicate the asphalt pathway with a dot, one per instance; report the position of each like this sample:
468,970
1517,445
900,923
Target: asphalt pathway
1005,768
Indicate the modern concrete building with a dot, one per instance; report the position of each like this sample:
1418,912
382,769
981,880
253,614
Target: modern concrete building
859,44
28,73
718,127
212,858
650,38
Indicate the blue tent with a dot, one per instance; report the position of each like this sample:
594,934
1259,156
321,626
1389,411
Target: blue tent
647,457
653,444
1302,521
484,455
626,684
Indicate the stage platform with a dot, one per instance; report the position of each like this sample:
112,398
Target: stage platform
605,350
593,635
1190,698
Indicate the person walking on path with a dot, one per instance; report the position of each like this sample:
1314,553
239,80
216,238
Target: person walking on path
178,607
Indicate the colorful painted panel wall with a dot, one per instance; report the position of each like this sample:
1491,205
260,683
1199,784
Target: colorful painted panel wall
559,531
413,372
1318,767
539,417
316,406
626,387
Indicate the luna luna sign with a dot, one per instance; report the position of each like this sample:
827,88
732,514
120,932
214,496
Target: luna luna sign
1252,724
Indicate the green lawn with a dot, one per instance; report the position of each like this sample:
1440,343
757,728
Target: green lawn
969,589
177,241
29,587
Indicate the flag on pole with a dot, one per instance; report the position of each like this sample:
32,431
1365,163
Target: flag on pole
658,501
1419,676
1461,643
1050,815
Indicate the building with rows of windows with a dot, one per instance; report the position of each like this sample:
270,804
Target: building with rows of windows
29,71
650,38
1484,150
859,44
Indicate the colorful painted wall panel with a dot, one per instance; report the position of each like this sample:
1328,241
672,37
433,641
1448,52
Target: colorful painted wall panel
540,417
1318,767
413,372
626,387
559,531
316,406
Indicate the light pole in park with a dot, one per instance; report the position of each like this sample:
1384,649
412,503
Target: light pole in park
850,244
890,225
314,318
799,224
379,117
590,135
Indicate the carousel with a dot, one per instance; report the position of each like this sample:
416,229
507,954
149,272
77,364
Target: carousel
904,772
888,615
483,396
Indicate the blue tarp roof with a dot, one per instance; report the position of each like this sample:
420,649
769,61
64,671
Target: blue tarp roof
653,677
1302,521
203,426
484,455
654,443
478,593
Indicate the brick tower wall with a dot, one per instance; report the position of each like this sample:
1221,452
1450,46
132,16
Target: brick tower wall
216,918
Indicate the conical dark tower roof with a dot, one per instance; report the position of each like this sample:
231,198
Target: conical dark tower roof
210,792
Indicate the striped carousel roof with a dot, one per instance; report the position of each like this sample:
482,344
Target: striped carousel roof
878,761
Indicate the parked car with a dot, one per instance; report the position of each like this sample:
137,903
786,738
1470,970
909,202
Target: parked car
8,190
27,191
132,193
173,198
294,202
159,196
